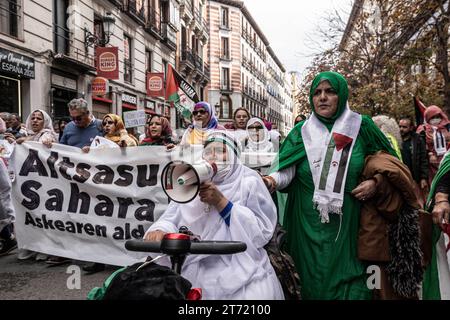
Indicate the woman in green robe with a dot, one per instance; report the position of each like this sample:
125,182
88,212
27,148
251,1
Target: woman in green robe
436,282
322,218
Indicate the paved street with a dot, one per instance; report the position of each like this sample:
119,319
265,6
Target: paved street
31,280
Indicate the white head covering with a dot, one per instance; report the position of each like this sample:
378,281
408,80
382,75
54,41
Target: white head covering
46,130
265,145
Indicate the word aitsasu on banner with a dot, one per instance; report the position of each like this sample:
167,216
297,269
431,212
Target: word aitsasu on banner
85,206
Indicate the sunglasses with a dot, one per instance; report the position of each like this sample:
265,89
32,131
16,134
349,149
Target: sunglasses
201,112
107,122
255,128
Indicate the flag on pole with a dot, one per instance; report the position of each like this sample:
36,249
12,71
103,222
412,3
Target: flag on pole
180,93
419,111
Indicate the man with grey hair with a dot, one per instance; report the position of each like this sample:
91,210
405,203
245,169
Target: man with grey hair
83,128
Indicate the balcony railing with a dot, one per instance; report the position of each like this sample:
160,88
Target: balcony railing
169,35
225,55
153,22
187,56
226,86
136,12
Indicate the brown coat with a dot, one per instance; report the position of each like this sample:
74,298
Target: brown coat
395,186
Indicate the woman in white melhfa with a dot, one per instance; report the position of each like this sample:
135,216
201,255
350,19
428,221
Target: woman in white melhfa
234,206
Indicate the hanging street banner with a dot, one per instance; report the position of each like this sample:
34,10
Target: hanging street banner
107,62
155,84
180,93
85,206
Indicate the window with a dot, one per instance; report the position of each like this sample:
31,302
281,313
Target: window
165,66
60,31
98,28
225,48
148,60
225,75
9,17
128,58
225,107
224,18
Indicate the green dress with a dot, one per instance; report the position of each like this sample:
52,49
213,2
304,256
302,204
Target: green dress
326,257
325,254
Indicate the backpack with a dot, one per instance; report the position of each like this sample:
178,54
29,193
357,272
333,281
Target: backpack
283,264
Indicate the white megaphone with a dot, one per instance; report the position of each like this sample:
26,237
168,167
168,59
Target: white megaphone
181,181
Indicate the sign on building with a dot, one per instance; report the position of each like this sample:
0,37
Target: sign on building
100,86
16,64
155,84
107,62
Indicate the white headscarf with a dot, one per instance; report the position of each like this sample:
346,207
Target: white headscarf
47,130
265,145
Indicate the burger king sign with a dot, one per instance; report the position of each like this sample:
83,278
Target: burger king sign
107,62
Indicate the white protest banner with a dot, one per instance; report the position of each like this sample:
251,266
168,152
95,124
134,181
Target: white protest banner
258,160
85,206
134,118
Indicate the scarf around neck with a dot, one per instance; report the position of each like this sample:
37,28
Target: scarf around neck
329,154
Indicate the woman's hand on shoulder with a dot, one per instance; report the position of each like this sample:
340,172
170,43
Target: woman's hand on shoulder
365,190
21,140
170,146
156,235
270,183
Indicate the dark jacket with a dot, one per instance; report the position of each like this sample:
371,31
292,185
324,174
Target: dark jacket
419,157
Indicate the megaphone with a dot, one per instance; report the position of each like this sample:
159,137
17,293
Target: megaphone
181,181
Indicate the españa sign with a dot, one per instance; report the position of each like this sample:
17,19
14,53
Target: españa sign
16,64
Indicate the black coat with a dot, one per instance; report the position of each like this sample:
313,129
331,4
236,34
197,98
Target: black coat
419,157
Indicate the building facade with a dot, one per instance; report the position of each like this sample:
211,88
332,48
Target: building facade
54,35
245,72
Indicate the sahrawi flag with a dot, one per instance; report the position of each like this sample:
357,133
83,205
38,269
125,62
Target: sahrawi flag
180,93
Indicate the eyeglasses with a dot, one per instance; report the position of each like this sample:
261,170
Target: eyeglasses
107,122
77,118
201,112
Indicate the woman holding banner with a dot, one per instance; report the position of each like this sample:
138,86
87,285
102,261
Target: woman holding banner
158,132
319,167
204,121
39,127
236,213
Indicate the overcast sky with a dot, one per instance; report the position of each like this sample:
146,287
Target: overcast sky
286,24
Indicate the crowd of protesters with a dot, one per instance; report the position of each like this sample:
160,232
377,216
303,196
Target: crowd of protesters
347,178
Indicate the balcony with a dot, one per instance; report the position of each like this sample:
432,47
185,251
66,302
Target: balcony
187,61
186,12
135,10
66,54
117,3
225,87
225,56
153,23
169,36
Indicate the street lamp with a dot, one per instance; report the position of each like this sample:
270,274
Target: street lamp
217,107
91,39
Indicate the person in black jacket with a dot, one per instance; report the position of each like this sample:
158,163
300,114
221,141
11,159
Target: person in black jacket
414,153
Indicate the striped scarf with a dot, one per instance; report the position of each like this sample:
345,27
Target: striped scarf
329,154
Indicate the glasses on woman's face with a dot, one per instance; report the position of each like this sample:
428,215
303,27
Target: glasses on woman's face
201,112
107,122
255,128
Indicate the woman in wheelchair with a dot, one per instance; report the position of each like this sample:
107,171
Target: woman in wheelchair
234,206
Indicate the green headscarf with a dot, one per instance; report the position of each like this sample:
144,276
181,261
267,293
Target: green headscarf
339,84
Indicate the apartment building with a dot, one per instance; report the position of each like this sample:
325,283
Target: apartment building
57,40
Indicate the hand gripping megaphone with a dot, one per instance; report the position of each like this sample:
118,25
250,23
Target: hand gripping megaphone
181,181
